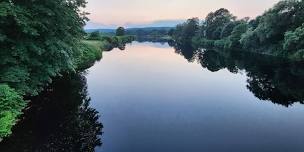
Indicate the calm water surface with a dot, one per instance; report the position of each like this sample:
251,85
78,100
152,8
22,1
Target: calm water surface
151,97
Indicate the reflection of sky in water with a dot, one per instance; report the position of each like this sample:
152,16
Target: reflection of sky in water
154,45
152,99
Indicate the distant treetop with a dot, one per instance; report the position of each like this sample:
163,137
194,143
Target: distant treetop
120,31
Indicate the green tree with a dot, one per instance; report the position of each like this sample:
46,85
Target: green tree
269,29
249,39
38,40
227,29
95,36
294,42
11,105
215,23
235,37
278,32
184,33
120,31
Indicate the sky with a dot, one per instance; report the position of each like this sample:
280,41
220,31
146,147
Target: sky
156,13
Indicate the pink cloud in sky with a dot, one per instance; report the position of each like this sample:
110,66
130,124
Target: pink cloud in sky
125,12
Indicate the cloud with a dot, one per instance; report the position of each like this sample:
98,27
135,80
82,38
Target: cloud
137,12
159,23
95,25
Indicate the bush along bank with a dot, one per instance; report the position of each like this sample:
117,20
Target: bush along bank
277,32
90,51
12,101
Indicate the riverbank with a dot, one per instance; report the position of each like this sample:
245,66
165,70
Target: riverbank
39,42
272,33
12,101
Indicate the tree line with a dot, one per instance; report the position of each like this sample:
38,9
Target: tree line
109,42
154,34
278,32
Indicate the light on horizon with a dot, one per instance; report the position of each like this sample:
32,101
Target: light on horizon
133,13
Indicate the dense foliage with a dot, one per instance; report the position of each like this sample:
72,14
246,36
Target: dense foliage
120,31
153,34
278,32
109,42
186,31
95,35
38,41
11,105
91,52
217,24
294,42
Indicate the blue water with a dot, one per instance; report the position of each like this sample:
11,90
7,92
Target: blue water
152,99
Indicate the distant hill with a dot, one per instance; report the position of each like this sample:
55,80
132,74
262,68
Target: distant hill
130,30
101,30
150,28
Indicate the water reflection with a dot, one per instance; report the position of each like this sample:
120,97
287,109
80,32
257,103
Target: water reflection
151,39
152,99
60,119
189,52
270,79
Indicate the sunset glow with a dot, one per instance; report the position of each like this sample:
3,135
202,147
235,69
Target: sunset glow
137,12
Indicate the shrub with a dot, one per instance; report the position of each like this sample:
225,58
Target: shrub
90,52
207,43
221,44
294,40
11,105
94,36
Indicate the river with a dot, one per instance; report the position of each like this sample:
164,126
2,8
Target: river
151,97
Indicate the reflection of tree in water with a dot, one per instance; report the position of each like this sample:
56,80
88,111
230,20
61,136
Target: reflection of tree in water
186,50
123,47
279,85
269,78
59,119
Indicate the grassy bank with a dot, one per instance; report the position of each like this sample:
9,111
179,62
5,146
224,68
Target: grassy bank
91,52
12,102
110,42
